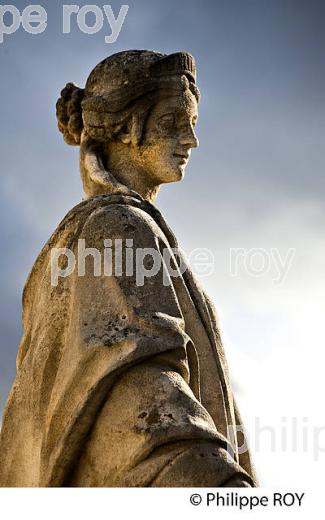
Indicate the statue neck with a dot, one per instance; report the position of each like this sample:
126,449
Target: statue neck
136,178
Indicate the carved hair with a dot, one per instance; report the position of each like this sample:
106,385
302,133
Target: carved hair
69,113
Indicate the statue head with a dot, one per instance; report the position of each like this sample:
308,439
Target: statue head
134,121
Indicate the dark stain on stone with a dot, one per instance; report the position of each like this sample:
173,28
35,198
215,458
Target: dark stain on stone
153,417
129,228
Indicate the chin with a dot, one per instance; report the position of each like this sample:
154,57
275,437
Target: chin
171,175
175,175
180,173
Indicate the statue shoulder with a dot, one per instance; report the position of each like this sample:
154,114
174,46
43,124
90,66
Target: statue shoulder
124,221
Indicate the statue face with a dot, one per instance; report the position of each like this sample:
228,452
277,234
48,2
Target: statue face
168,138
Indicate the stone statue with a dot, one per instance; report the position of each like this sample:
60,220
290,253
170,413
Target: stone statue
122,378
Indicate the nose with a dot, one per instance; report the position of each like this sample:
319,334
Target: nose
188,137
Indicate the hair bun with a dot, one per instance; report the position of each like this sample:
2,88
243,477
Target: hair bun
69,113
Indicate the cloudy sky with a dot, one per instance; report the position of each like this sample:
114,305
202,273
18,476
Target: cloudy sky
256,184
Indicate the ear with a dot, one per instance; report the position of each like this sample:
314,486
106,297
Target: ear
125,134
131,132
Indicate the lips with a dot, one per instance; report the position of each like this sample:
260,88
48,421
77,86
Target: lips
183,157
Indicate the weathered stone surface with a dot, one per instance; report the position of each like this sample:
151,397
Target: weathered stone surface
122,378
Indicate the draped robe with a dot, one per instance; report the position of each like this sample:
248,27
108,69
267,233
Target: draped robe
120,383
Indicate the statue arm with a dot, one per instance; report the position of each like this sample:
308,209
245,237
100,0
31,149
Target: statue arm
152,427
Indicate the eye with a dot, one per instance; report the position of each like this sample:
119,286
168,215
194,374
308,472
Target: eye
167,120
